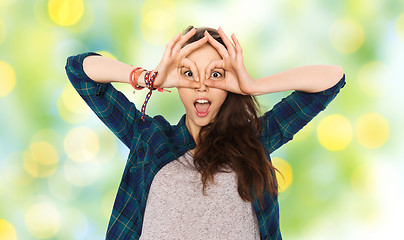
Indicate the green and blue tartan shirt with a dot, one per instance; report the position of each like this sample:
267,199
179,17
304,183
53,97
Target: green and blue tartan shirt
154,142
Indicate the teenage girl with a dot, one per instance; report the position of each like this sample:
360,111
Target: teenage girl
210,176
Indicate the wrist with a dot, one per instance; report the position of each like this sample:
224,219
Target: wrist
249,86
140,79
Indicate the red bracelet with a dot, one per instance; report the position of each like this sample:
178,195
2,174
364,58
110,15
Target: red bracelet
133,77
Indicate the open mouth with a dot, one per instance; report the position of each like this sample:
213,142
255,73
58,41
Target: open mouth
202,106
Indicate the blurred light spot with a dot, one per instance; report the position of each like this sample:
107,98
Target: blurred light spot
346,35
14,173
322,176
375,79
7,230
41,159
61,188
107,54
65,12
81,144
72,100
7,79
76,225
2,30
48,135
284,167
158,21
108,145
362,180
400,26
71,106
303,133
6,2
334,132
372,130
81,174
388,183
43,220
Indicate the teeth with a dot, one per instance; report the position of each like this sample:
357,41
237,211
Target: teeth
202,101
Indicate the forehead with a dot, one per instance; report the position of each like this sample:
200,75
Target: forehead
205,53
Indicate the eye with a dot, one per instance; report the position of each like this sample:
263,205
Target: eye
215,74
188,73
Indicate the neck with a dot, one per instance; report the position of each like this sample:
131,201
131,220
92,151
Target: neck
193,130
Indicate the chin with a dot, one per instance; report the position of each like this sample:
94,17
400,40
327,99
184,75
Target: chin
202,122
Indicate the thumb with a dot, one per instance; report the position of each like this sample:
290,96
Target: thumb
189,84
220,84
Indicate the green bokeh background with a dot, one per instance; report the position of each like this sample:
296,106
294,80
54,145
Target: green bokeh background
60,166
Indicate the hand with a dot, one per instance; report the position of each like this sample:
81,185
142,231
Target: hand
174,58
237,79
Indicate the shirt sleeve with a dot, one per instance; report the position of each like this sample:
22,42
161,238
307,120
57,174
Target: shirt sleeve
293,112
111,106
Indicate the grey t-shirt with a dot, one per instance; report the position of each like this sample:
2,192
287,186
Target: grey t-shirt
177,209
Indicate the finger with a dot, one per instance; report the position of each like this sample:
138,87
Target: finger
239,50
189,84
171,44
220,84
192,46
191,65
218,46
183,40
212,65
227,42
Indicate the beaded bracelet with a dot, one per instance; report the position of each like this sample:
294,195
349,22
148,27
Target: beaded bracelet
149,82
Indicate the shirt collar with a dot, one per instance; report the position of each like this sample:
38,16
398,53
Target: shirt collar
182,137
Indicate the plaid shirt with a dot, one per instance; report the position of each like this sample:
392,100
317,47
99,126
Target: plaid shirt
154,142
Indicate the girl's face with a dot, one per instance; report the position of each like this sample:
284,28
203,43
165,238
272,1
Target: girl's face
202,104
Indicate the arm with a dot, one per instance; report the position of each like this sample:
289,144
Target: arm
310,79
314,78
315,87
293,112
106,70
91,75
110,105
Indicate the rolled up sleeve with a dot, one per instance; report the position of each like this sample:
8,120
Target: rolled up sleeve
292,113
110,105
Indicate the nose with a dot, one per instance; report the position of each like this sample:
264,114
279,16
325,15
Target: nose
203,87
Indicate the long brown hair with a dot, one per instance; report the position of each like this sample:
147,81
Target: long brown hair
231,141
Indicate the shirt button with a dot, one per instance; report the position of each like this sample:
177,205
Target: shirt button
99,90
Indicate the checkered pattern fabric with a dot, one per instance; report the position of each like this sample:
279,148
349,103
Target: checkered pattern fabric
154,142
